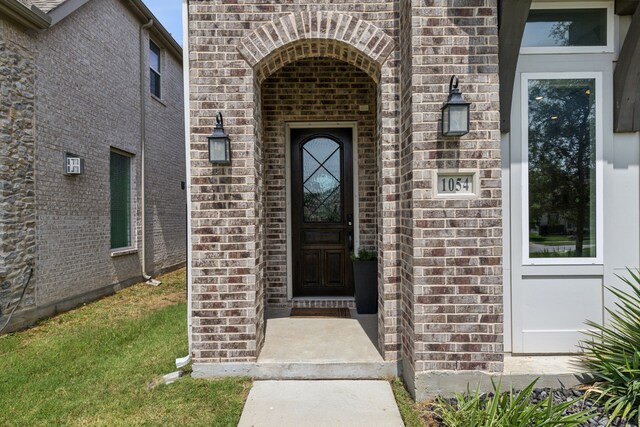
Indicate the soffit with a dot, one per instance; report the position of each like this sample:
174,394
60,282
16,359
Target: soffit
45,5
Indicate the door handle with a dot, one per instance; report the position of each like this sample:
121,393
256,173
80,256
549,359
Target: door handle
350,230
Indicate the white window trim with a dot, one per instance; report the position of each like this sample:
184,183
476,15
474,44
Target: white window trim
526,77
356,195
582,5
132,248
151,67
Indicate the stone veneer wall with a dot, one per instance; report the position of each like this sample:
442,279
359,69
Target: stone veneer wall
314,90
17,157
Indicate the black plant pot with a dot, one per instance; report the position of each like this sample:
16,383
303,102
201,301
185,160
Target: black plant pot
365,278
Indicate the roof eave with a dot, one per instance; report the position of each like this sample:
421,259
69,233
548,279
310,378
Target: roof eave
158,29
31,18
67,7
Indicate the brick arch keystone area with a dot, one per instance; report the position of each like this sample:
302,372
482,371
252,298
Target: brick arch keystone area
313,34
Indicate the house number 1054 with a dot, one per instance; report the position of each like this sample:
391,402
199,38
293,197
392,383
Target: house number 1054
450,185
456,184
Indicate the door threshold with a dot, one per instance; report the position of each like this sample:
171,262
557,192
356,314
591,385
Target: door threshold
294,299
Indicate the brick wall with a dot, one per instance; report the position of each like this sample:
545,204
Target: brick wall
87,100
439,260
406,186
165,170
226,260
228,263
17,151
457,246
312,90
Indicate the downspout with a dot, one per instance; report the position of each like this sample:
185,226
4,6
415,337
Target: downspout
183,361
143,137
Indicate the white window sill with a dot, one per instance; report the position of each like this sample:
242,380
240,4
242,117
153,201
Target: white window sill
123,251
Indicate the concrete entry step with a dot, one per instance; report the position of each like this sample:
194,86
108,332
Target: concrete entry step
322,348
321,340
325,371
321,403
312,349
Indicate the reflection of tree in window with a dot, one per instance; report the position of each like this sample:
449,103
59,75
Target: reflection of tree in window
566,27
560,33
562,168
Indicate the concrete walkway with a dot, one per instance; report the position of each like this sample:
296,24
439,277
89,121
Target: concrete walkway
328,403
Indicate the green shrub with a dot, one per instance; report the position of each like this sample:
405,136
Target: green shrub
612,353
363,255
508,409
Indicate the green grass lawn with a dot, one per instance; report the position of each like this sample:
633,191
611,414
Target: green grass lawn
408,407
97,365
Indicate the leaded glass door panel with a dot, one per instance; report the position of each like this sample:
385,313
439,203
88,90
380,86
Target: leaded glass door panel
322,211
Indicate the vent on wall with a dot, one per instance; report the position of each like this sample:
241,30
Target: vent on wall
73,164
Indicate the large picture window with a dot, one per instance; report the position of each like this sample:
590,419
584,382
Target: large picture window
562,146
120,186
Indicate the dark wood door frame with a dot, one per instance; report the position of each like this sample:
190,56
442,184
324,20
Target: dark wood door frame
320,249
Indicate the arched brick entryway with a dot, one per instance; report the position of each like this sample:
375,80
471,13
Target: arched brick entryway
337,46
316,34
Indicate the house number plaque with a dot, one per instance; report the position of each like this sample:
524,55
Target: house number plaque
458,183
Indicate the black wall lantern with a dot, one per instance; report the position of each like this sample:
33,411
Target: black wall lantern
455,112
219,144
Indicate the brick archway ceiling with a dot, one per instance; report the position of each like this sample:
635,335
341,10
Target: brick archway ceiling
316,34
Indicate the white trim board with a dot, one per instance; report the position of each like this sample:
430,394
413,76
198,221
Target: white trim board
187,153
356,195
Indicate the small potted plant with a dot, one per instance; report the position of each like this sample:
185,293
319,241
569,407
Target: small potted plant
365,279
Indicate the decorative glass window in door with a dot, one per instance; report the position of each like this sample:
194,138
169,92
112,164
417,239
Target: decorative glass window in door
322,180
561,145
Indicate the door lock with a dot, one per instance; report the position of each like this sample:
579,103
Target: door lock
350,220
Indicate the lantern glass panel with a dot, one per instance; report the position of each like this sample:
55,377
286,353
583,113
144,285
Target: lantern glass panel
458,119
445,120
218,150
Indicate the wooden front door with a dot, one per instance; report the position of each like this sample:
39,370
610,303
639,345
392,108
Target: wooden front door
322,211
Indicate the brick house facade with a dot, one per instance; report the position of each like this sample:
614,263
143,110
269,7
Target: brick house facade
383,70
71,84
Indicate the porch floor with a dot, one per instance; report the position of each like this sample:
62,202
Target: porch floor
320,340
